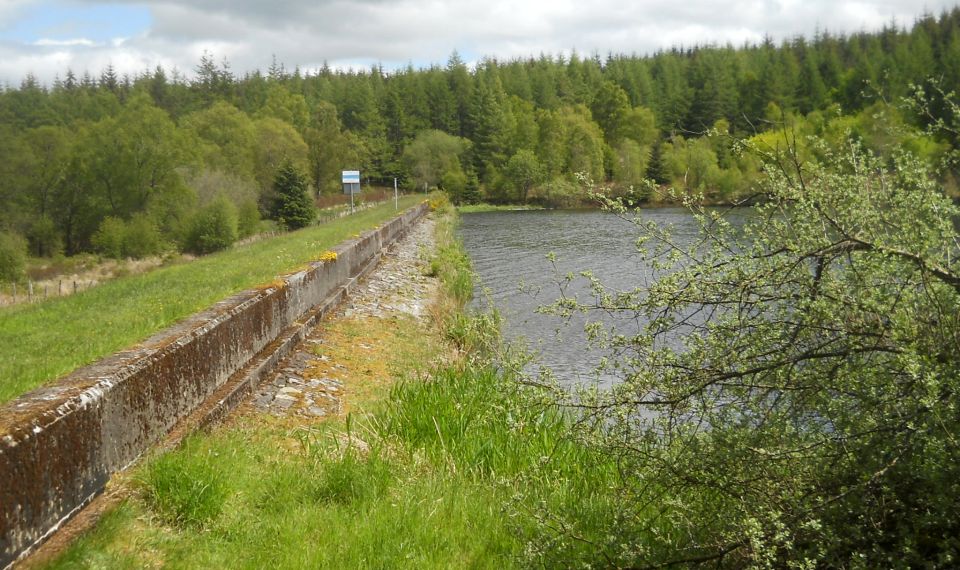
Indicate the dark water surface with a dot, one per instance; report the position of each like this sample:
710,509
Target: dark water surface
509,253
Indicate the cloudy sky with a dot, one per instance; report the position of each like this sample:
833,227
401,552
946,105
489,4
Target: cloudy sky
45,37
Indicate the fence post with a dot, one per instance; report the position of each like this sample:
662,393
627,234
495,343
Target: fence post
29,291
74,286
60,288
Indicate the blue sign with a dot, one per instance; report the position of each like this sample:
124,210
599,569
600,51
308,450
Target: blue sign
351,177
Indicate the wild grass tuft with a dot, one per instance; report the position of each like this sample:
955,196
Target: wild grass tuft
354,478
186,488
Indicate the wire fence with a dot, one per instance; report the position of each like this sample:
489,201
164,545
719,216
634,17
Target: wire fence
34,292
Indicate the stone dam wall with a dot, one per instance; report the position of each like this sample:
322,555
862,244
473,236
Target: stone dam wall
60,444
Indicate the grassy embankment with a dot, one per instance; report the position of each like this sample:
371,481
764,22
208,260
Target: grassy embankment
454,465
42,342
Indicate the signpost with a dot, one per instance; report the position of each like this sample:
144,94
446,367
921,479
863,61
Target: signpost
351,184
396,197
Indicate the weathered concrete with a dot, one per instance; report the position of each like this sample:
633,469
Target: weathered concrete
400,285
60,444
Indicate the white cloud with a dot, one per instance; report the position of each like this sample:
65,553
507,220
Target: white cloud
46,42
10,9
344,32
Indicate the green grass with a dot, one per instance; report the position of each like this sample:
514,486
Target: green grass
42,342
311,508
452,473
185,488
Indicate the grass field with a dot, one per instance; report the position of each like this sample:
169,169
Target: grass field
42,342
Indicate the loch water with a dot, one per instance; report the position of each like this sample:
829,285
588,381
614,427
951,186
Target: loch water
509,251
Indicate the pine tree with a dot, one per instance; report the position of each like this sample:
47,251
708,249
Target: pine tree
108,79
656,170
460,85
489,123
292,207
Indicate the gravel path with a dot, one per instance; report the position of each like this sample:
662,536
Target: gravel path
398,286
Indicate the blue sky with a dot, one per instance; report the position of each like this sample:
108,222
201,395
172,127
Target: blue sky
64,21
46,37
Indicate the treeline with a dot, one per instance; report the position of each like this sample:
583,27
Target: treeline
130,165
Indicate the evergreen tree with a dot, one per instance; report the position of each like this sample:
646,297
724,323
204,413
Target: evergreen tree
108,79
489,123
292,207
811,89
460,85
713,79
674,96
656,170
441,102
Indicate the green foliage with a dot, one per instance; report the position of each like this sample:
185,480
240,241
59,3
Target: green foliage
13,257
490,124
142,237
241,191
213,227
330,150
639,125
173,214
248,219
454,182
129,159
292,206
523,171
282,104
471,193
693,165
227,138
560,192
187,488
110,236
609,109
583,145
630,163
433,154
451,264
44,238
277,143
